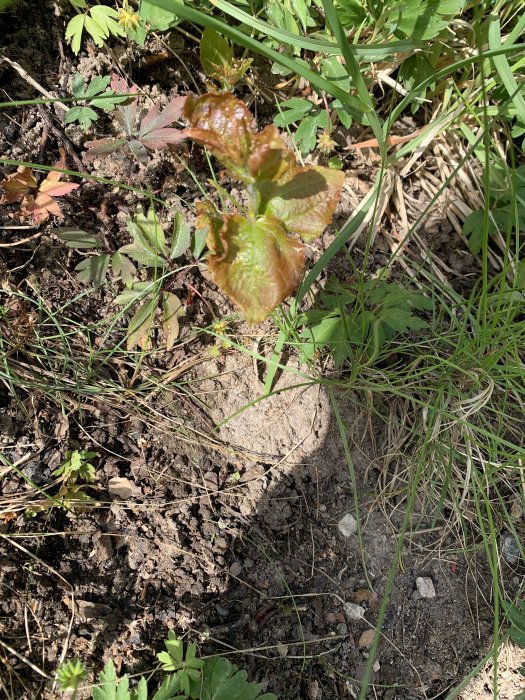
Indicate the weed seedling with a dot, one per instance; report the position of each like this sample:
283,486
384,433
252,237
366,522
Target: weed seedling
256,258
153,131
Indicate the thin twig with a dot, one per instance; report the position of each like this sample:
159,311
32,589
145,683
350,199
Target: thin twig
25,75
23,240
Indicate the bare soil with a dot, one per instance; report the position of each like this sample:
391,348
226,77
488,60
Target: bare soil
230,529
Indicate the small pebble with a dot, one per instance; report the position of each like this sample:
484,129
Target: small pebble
366,639
425,587
376,667
282,649
510,549
347,525
353,611
342,628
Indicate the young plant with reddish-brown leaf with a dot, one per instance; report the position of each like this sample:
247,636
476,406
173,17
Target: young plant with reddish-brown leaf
152,132
257,260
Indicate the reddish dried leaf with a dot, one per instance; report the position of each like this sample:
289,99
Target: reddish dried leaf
102,147
161,138
172,309
36,201
153,120
226,126
18,185
126,114
256,263
305,202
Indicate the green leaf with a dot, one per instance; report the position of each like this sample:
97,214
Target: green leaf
93,269
215,53
107,690
169,690
78,86
255,263
139,326
473,229
292,110
305,137
141,692
97,85
76,238
181,236
74,31
85,116
222,680
422,19
148,247
123,269
157,18
306,201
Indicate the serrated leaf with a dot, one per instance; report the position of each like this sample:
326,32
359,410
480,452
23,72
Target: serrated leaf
105,18
77,86
256,263
172,309
473,228
123,269
222,680
131,296
305,137
181,236
97,85
422,19
98,33
85,116
293,110
149,243
215,52
93,269
107,690
76,238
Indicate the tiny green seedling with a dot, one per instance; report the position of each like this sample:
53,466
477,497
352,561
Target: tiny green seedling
255,257
70,675
189,678
74,474
218,61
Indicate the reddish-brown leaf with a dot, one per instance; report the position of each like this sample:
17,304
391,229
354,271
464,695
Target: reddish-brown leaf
304,199
256,263
226,126
18,185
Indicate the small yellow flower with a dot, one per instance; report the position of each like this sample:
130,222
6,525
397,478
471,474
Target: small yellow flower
220,327
128,18
325,142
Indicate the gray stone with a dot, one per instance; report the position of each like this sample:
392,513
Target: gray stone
353,611
425,587
347,525
510,549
